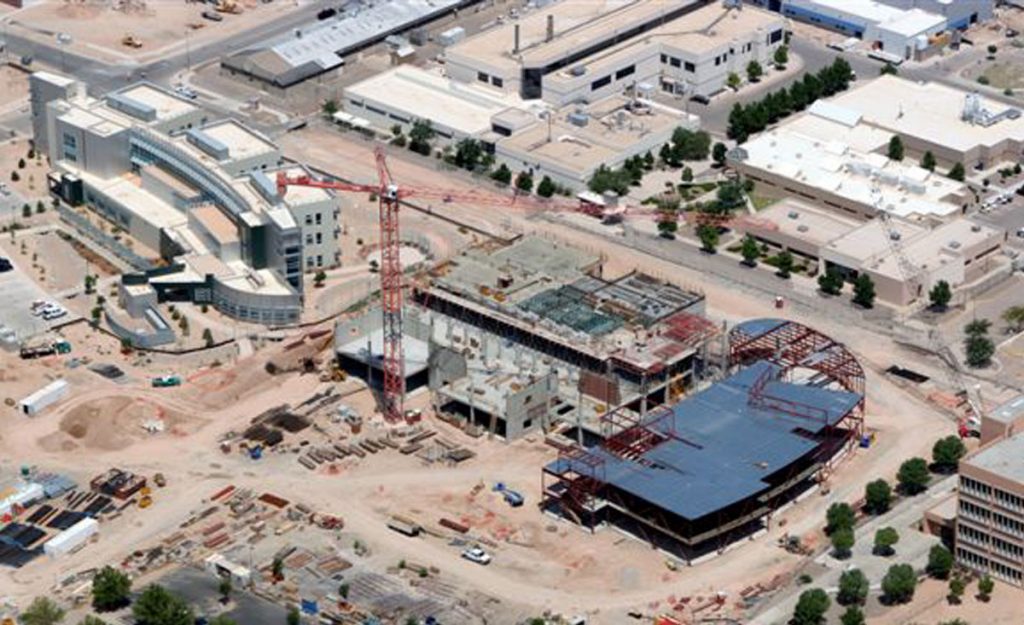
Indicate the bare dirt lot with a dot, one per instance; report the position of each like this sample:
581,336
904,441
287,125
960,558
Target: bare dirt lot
97,27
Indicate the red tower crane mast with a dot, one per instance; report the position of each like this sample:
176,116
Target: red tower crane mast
389,198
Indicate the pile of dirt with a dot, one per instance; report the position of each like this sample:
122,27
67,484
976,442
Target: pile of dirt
114,423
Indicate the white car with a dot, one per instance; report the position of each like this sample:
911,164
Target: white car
54,313
46,307
478,555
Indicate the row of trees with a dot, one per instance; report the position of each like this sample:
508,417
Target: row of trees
897,152
756,116
111,591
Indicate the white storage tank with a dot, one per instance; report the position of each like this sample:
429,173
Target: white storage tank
71,538
49,394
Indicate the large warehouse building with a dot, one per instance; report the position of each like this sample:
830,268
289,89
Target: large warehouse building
712,468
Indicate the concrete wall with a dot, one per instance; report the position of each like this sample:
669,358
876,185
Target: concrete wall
989,524
318,222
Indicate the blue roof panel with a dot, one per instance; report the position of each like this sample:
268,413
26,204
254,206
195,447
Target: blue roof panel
720,446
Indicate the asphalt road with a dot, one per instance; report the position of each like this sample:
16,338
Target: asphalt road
102,77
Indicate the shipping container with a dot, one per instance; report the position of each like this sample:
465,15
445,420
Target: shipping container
46,396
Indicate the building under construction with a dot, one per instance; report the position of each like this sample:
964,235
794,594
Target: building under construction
698,474
635,335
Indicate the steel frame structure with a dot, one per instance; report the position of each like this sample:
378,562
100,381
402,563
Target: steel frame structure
789,345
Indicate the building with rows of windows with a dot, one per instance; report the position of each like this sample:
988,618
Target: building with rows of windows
197,197
990,513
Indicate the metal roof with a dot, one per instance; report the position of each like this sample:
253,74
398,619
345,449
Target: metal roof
722,448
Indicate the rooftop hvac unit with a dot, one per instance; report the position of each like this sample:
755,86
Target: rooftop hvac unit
954,245
889,177
802,228
894,235
578,70
579,119
975,228
793,215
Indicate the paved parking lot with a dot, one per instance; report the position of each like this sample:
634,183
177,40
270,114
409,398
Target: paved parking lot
19,291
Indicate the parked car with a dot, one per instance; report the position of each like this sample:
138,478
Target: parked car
5,265
213,16
54,313
478,555
186,92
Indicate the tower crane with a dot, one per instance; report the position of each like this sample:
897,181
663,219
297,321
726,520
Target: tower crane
389,197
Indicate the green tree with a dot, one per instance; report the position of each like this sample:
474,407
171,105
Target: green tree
208,337
21,163
985,588
90,284
319,278
40,207
889,69
839,516
1014,317
947,452
896,149
111,590
811,607
330,107
468,154
293,616
277,569
718,154
928,161
842,542
502,174
885,539
864,291
781,57
853,588
992,49
831,281
689,145
221,619
604,179
343,591
42,611
546,188
957,172
687,175
15,177
420,135
978,347
733,81
852,616
750,251
648,161
157,606
708,236
225,588
524,182
940,562
913,477
92,620
877,497
754,71
899,583
26,211
785,264
940,295
667,227
957,586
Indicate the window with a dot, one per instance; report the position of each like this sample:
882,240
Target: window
319,219
664,59
690,67
309,262
625,71
309,220
674,62
319,260
482,77
775,37
309,239
527,424
718,61
602,82
319,238
497,82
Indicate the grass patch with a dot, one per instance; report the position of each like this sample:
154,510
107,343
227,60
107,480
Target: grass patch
762,202
1004,75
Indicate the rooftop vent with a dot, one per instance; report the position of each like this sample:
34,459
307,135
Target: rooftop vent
793,215
975,228
954,245
802,228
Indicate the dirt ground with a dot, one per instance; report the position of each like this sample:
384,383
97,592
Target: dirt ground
32,178
13,89
97,27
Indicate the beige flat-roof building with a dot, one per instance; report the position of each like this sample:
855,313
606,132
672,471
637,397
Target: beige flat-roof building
577,141
577,50
960,251
958,126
